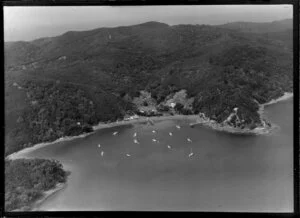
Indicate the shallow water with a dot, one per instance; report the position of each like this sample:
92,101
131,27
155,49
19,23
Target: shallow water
226,173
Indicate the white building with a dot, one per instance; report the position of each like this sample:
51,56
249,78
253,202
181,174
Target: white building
172,105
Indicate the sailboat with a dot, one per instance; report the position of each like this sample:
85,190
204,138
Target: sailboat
191,153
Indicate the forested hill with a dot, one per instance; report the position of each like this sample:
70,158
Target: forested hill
252,27
62,85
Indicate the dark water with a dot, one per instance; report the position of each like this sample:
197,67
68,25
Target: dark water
226,173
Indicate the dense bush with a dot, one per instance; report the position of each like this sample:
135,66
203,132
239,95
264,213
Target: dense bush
101,80
58,110
27,179
163,108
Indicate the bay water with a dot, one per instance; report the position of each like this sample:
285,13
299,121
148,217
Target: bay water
214,171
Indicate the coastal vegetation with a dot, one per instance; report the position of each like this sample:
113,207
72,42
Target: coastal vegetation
27,179
57,87
57,110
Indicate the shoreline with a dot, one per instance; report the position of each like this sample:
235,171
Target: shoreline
18,154
142,119
205,123
233,130
256,131
47,194
286,96
21,153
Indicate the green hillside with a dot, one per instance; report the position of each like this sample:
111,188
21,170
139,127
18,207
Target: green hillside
92,76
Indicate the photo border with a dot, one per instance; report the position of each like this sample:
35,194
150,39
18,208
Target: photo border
296,105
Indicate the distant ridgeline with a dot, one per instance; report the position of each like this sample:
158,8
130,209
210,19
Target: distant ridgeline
61,86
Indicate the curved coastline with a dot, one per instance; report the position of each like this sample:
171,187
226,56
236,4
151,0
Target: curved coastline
60,186
198,121
48,194
286,96
21,153
34,205
206,123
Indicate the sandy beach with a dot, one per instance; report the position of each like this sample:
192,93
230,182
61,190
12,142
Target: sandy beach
194,118
144,120
34,206
47,194
286,96
21,153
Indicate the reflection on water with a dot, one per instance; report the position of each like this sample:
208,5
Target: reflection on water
226,172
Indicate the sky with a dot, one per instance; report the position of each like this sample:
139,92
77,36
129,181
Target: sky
27,23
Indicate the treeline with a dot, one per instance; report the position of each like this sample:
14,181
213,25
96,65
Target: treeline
220,70
241,76
218,104
27,179
237,87
58,110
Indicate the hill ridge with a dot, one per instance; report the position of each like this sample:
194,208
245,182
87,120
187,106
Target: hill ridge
96,76
153,22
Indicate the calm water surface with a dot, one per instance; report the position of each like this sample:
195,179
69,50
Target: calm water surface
226,173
